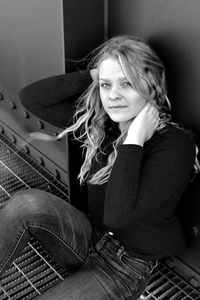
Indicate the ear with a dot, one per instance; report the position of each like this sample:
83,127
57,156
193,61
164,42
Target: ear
94,74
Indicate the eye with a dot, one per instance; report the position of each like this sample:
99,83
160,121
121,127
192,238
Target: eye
104,85
126,84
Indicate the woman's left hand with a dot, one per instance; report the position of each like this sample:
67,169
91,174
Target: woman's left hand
143,125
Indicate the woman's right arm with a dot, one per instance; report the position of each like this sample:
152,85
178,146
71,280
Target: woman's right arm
52,99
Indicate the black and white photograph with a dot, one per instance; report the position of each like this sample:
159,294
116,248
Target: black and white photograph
99,150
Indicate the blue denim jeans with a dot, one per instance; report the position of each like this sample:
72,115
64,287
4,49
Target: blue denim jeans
99,269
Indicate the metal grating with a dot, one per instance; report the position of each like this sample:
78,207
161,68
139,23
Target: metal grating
30,274
19,171
168,285
34,272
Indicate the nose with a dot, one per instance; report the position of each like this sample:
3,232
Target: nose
114,93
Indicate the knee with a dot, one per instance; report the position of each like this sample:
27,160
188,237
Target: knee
26,202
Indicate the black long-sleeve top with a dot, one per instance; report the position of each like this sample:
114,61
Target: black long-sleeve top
146,183
138,203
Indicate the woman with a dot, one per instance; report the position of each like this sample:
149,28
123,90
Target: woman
137,164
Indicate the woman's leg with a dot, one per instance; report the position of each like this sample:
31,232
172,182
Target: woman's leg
62,230
108,273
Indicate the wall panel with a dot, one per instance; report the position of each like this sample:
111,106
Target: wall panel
173,28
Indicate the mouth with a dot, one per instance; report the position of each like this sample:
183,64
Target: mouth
117,107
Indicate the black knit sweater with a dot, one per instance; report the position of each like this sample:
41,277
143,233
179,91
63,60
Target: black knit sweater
138,202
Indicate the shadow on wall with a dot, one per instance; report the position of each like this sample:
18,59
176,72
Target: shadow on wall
180,56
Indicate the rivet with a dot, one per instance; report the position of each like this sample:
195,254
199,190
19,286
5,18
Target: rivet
41,161
13,139
26,114
40,124
170,262
195,231
56,134
1,129
56,173
48,188
12,105
27,150
1,96
194,282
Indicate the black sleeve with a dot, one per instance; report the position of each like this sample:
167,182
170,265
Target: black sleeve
53,99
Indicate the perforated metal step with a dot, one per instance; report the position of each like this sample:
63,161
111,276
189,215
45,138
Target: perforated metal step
34,272
168,285
30,274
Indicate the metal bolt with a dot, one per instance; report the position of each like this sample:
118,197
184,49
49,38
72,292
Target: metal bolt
13,139
1,129
1,96
194,282
26,114
170,263
48,188
27,150
41,161
56,134
195,231
13,105
56,173
40,124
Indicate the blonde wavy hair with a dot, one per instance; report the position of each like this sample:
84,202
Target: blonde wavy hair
145,72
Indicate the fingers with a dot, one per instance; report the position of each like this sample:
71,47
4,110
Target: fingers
150,110
151,117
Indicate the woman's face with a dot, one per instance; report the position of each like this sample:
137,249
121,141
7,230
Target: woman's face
120,101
